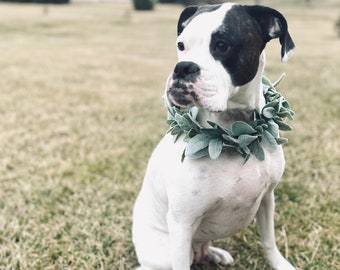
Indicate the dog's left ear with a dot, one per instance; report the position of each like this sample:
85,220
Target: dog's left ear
273,25
184,17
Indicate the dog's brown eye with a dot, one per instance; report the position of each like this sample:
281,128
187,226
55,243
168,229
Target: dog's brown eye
180,46
222,47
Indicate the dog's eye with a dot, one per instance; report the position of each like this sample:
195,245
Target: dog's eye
222,47
180,46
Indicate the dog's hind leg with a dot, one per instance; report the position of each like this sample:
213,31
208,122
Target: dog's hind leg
220,256
265,220
207,253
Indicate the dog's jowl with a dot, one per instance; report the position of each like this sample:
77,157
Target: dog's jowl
184,204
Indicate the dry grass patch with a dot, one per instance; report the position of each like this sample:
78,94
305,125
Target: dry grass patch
81,111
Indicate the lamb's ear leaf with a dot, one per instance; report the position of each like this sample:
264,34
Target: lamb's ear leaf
283,126
257,150
229,139
196,143
199,154
269,140
215,148
280,140
283,75
266,81
245,140
269,112
273,128
238,128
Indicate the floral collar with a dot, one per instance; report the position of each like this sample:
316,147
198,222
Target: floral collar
244,138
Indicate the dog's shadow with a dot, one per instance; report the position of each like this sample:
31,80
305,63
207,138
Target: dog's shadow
210,266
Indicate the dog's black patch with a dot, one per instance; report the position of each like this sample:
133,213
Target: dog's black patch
242,35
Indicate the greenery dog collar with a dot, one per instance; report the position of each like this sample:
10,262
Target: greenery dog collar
243,137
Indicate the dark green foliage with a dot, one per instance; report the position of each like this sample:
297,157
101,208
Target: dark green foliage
39,1
144,4
337,26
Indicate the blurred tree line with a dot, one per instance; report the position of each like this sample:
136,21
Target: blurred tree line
149,4
39,1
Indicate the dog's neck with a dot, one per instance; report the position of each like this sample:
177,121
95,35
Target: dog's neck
241,104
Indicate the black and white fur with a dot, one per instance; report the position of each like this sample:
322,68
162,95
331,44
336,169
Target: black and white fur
182,206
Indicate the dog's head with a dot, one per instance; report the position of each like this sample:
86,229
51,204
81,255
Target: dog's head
219,48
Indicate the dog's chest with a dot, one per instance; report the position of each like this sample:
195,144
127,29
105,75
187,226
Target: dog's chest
229,204
222,195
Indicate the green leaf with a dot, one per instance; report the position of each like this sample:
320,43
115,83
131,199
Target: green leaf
196,143
238,128
271,104
192,132
170,122
266,81
176,130
182,122
283,114
285,104
215,148
283,75
229,138
281,140
259,129
212,132
269,140
257,150
245,140
246,158
218,127
273,128
283,126
290,116
193,112
175,137
190,123
183,156
269,112
199,154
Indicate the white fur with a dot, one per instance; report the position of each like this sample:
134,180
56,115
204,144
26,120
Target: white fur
182,206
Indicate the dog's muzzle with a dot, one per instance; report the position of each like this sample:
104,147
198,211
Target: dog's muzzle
181,91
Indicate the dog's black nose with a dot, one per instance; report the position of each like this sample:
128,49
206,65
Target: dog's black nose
185,68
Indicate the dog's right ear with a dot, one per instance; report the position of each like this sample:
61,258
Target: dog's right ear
273,25
184,17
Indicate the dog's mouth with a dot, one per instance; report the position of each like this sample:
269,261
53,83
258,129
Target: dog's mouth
181,94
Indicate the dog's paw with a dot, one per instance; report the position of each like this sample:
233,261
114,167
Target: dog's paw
144,268
277,261
284,265
220,256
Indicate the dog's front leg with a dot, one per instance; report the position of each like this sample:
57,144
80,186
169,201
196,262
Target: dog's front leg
181,233
265,220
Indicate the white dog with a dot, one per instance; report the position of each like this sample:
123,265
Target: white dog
184,204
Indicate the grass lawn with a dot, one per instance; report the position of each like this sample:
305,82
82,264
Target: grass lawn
81,111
